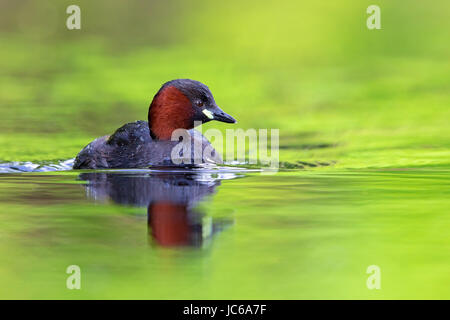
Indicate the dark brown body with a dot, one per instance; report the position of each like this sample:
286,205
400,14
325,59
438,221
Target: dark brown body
132,146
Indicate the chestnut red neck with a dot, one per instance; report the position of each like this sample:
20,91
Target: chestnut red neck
169,110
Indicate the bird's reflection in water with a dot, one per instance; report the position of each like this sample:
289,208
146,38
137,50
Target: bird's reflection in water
170,199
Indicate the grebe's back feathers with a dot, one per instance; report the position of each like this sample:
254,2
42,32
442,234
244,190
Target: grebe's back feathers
131,133
131,146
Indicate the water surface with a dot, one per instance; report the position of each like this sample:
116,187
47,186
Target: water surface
158,235
364,150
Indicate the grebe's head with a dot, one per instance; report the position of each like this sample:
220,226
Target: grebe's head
178,104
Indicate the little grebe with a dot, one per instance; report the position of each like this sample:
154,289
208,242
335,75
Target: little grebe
179,104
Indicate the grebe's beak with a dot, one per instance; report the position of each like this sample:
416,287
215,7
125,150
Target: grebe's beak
215,113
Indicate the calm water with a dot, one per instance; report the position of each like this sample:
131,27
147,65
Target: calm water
225,233
364,147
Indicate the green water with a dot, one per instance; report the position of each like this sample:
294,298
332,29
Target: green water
293,235
364,151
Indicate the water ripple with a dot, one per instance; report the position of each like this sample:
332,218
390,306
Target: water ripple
28,166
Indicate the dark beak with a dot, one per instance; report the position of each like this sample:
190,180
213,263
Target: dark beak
221,116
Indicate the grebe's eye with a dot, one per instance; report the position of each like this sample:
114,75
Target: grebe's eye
200,103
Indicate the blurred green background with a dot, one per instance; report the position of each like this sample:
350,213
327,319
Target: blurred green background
311,69
372,103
